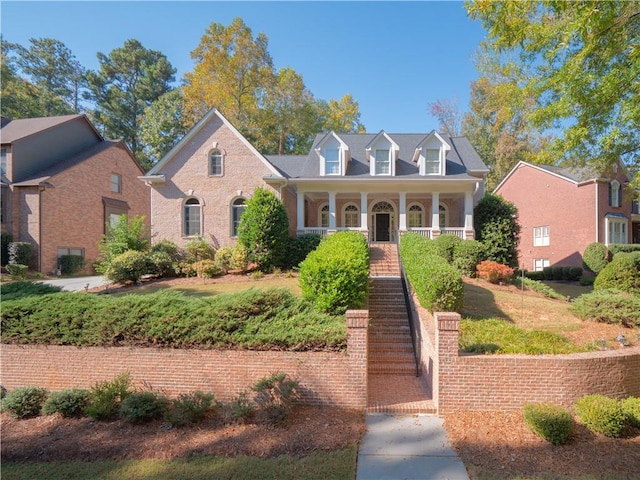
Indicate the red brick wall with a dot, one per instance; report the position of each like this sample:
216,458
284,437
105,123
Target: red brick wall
325,378
507,382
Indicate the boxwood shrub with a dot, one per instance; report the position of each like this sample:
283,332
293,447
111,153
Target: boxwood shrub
69,402
437,284
549,421
25,402
602,415
623,247
335,276
595,257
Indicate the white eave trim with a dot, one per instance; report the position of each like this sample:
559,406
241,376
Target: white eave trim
153,179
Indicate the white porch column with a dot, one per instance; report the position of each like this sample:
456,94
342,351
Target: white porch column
332,210
468,211
364,224
435,211
300,211
403,212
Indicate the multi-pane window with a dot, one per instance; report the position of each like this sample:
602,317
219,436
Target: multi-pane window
237,209
351,216
540,263
615,194
116,183
324,216
432,161
215,163
331,161
415,216
617,229
383,163
191,222
3,161
541,236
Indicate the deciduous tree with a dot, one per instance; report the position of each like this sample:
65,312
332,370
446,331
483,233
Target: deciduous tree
583,69
341,116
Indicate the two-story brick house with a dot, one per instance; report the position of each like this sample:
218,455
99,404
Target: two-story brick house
380,184
562,210
62,182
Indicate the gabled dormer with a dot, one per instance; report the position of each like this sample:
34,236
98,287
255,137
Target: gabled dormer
431,155
334,155
382,155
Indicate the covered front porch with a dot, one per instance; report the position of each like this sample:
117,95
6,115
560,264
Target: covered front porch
383,216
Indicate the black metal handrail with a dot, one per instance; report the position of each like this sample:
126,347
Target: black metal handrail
408,301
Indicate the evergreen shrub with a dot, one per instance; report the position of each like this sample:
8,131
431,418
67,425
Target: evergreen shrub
549,421
602,415
105,397
17,270
274,396
70,264
69,402
615,248
24,402
437,284
335,276
467,255
446,245
622,273
608,306
20,253
5,240
300,247
595,257
142,407
189,408
631,406
129,266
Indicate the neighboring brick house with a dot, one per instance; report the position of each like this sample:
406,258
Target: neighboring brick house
379,184
562,210
62,183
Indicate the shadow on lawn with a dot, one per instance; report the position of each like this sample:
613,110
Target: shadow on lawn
480,304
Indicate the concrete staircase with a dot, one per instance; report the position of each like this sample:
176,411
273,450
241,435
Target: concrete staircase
394,386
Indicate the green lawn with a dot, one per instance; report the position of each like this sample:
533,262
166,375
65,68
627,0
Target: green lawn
336,465
216,286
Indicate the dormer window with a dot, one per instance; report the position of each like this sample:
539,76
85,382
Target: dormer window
332,161
432,161
431,155
333,154
383,162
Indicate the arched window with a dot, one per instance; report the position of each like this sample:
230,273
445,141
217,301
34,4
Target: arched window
191,218
415,216
351,216
323,219
216,163
237,209
615,194
444,215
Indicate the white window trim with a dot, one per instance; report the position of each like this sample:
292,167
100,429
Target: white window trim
544,261
344,214
422,213
425,162
541,236
389,162
323,205
445,207
615,193
624,223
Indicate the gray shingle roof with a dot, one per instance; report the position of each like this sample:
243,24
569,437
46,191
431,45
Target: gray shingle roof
577,174
461,159
17,129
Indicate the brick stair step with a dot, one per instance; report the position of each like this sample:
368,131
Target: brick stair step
394,369
405,347
390,356
390,339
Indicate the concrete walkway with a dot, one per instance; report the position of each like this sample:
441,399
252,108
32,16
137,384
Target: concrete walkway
407,447
77,284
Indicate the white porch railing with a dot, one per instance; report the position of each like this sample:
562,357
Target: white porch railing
428,231
313,230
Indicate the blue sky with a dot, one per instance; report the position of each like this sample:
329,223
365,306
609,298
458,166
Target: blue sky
393,57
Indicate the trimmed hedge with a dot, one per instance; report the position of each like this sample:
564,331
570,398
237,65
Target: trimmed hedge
595,257
437,284
622,273
602,415
299,248
551,422
254,319
624,247
335,276
467,255
446,245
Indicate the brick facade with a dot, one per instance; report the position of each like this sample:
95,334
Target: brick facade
326,378
573,211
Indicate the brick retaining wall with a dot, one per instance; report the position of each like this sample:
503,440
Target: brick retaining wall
507,382
325,378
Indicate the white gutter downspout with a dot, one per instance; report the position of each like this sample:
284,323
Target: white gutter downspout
597,212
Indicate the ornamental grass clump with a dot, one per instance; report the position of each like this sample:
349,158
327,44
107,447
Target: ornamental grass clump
549,421
602,415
